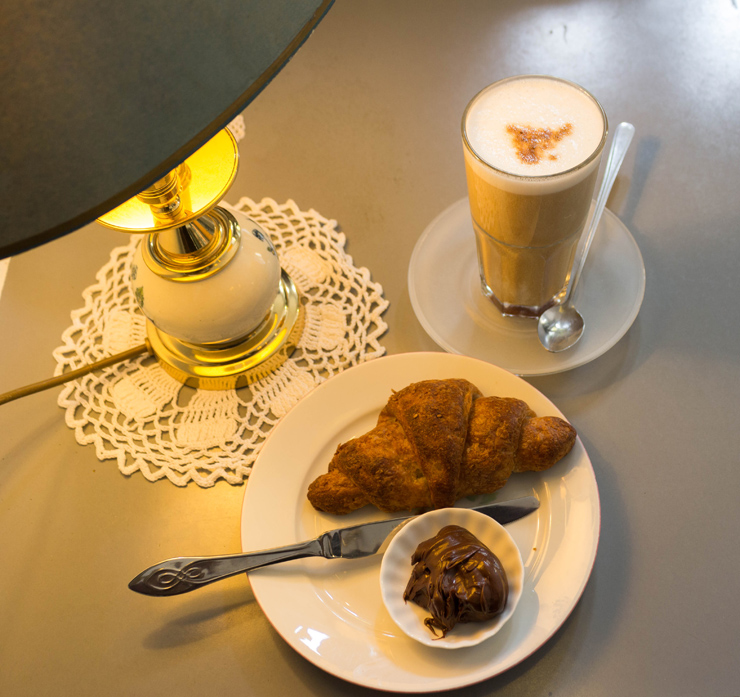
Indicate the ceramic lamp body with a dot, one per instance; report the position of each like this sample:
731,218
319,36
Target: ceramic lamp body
221,307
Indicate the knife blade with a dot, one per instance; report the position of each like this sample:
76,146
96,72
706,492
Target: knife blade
184,574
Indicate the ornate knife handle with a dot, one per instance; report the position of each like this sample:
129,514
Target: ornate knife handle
184,574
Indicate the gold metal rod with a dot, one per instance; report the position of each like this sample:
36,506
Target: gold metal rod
73,374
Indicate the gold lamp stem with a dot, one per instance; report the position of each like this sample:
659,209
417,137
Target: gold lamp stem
164,197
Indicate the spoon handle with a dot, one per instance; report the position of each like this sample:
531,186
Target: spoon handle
621,142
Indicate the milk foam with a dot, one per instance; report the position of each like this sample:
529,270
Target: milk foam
536,102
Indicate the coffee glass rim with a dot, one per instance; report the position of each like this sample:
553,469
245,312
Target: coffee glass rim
535,177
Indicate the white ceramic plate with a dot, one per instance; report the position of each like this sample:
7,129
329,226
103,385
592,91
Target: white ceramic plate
444,287
331,612
396,570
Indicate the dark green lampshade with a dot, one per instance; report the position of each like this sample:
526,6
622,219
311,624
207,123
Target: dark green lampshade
100,99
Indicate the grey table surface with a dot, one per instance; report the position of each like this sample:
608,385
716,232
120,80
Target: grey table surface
363,126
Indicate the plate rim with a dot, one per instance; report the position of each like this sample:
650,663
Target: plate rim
435,360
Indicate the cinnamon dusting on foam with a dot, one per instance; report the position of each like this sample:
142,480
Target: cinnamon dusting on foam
531,143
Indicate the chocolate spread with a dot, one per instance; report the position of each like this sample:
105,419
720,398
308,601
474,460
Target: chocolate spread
457,578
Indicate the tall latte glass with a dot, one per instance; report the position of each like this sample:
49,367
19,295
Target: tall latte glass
532,149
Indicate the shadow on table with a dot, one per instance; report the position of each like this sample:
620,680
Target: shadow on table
204,614
631,188
598,376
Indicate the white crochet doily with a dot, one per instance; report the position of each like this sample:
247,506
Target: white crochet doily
138,415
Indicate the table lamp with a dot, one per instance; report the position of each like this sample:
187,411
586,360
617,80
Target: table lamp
220,311
119,114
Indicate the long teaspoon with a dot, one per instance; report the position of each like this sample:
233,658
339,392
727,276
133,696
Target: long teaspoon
561,326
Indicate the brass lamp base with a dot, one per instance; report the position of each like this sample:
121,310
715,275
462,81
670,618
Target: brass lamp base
233,364
220,311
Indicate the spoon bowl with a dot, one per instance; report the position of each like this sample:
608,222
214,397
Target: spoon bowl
561,326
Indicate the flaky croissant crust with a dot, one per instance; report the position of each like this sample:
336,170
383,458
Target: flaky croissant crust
437,441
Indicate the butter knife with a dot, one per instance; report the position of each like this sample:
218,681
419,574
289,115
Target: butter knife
184,574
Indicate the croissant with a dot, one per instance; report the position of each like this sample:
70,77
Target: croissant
435,442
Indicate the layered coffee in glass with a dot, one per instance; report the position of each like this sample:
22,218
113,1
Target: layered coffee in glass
532,149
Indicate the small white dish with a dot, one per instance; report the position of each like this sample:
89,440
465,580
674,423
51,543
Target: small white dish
444,288
396,567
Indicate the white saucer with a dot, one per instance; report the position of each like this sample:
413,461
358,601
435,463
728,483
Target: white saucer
444,287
